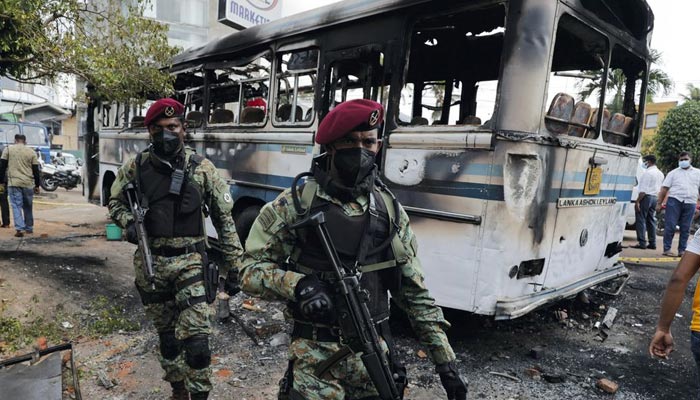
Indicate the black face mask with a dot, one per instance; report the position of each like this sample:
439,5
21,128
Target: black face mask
352,165
166,144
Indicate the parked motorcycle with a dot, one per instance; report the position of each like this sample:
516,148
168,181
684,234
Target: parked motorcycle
54,176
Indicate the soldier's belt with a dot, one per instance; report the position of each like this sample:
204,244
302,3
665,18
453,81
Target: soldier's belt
174,251
316,333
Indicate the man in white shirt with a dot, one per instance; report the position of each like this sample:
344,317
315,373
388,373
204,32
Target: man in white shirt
681,186
645,207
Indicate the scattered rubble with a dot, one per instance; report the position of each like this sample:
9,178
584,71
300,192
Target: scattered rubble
607,386
610,317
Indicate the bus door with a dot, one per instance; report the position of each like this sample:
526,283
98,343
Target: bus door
595,179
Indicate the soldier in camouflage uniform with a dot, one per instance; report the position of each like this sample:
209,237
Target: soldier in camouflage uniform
176,301
362,218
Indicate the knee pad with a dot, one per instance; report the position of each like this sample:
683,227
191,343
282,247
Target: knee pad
197,353
170,347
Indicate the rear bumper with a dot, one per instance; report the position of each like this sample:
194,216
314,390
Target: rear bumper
519,306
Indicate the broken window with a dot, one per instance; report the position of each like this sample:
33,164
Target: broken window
189,90
112,115
296,82
575,81
623,95
358,78
453,68
238,91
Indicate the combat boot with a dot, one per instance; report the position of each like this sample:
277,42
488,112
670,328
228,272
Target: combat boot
199,396
179,391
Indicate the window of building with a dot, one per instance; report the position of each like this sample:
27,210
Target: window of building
453,68
575,81
651,121
296,82
238,92
190,12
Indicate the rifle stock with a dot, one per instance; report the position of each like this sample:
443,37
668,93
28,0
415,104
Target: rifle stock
356,325
139,214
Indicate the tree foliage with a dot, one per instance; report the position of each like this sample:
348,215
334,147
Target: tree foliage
106,42
693,92
679,132
659,82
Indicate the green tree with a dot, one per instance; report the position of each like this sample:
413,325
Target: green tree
678,132
693,92
659,82
106,43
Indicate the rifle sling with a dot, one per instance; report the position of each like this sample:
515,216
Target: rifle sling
384,332
331,361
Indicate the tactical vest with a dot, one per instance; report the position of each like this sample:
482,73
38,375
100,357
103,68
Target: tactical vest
170,215
379,270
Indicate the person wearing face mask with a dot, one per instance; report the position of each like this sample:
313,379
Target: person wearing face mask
371,232
178,188
679,192
645,207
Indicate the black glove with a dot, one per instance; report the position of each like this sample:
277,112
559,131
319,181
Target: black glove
454,384
131,235
314,299
231,284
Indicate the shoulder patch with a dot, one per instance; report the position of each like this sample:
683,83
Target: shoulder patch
267,218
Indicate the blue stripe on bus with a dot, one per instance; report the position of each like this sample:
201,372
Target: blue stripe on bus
450,188
438,167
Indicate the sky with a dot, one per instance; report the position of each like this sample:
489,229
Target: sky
675,30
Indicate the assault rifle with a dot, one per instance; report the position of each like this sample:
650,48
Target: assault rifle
358,331
139,214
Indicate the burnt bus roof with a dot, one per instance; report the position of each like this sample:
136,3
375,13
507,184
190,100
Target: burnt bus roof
631,16
343,11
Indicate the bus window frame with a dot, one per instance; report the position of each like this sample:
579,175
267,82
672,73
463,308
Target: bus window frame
232,63
278,76
401,79
639,117
187,92
597,127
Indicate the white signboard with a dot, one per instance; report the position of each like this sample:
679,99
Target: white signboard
585,202
242,14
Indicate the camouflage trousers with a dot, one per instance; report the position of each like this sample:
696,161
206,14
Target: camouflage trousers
167,317
348,379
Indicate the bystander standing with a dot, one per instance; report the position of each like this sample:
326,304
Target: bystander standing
22,167
680,194
645,207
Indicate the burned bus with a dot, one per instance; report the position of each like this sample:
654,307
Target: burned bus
512,132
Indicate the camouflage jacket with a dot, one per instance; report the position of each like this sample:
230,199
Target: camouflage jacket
216,197
271,242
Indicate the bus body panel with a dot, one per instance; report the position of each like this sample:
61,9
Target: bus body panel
499,210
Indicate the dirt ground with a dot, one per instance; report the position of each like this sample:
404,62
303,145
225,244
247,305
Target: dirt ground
80,287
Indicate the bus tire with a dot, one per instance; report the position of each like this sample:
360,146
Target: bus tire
244,221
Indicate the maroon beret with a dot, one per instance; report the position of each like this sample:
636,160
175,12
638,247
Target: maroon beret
350,116
163,108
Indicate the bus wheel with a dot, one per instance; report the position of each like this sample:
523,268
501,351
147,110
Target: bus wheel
244,221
